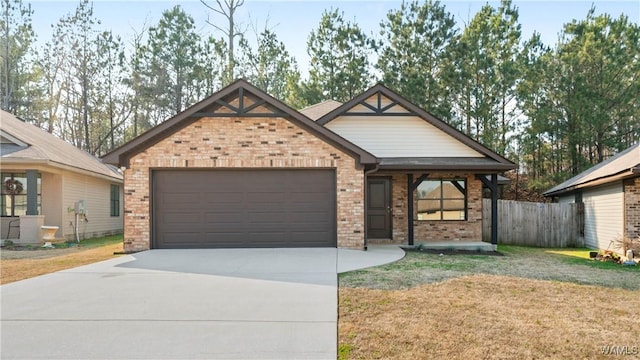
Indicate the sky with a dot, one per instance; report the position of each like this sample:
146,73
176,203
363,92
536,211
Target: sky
292,21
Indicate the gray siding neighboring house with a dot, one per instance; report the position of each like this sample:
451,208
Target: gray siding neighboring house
610,192
63,175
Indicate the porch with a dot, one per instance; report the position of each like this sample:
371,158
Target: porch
434,209
480,246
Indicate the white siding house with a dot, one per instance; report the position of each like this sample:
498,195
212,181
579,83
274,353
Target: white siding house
611,198
603,215
64,176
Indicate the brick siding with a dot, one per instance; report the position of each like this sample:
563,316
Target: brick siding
231,142
428,230
632,207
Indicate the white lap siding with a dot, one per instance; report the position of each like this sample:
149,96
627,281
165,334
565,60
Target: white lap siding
96,194
399,136
603,215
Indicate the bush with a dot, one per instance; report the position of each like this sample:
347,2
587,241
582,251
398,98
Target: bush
625,243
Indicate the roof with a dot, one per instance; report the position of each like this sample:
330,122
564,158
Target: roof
623,165
219,105
24,143
316,111
443,163
492,160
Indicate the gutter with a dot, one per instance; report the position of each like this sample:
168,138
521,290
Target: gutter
57,165
595,182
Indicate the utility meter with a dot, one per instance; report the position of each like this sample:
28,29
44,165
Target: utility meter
80,207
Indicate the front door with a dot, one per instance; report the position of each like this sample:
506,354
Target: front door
379,208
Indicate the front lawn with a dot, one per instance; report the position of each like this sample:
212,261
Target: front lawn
29,262
566,265
529,303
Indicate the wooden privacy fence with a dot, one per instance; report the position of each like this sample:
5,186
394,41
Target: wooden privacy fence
535,224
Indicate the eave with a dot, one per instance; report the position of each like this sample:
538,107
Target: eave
57,165
630,173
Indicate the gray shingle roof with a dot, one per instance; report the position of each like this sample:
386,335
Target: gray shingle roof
45,148
625,163
316,111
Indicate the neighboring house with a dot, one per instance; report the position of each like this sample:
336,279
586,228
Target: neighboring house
242,169
43,180
610,192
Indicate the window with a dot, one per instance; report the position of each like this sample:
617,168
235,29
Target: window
115,200
13,197
442,200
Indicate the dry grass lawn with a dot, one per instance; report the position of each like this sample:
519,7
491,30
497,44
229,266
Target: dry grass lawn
14,269
488,317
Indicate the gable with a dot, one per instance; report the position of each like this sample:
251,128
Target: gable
378,104
238,100
6,138
386,128
389,126
399,136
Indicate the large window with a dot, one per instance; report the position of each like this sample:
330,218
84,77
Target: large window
115,200
441,199
13,196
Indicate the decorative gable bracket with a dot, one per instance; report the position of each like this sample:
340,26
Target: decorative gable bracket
377,105
240,104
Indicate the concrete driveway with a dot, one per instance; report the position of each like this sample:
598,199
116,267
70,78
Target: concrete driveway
184,304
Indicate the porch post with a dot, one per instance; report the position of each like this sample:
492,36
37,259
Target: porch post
410,208
494,209
493,187
32,192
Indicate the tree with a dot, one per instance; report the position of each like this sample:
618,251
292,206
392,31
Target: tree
51,65
134,80
339,52
107,104
581,97
606,52
534,143
15,46
270,67
83,61
487,69
414,54
173,50
227,8
213,66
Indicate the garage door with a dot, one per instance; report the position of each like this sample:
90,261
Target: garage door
244,208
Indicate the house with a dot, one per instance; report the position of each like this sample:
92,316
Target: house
47,181
610,192
242,169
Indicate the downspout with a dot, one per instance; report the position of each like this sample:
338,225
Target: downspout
366,191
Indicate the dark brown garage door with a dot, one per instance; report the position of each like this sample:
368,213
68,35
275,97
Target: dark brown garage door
244,208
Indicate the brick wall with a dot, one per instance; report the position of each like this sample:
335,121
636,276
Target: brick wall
632,207
427,230
243,143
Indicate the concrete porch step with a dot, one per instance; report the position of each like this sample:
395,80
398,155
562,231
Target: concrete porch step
455,245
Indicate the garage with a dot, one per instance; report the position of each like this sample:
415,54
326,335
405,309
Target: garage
244,208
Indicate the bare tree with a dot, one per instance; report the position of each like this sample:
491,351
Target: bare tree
227,8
